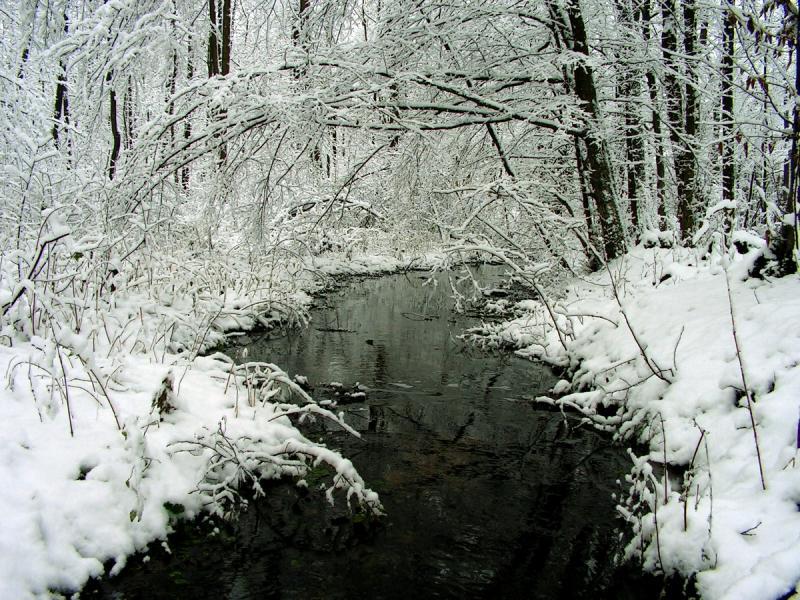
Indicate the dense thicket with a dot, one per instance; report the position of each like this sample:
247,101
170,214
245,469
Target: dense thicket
134,130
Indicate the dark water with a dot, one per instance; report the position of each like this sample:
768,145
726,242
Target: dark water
486,494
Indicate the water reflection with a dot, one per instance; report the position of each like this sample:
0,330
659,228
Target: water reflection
486,495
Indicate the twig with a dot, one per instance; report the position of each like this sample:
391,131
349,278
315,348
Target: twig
593,315
655,522
747,531
33,272
747,392
675,350
685,493
66,390
710,488
666,469
108,398
651,363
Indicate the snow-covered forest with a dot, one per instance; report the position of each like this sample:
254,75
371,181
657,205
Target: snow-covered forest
174,171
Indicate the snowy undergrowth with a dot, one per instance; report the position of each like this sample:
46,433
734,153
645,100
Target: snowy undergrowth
672,382
112,420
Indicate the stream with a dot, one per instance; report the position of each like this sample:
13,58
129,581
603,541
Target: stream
487,495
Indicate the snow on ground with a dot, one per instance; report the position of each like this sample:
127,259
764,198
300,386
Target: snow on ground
670,383
678,392
87,486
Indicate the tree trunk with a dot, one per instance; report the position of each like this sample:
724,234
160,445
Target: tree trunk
225,54
172,83
630,88
187,124
213,40
128,116
689,166
115,135
594,172
61,111
727,150
219,50
595,239
658,145
219,37
26,49
673,98
784,244
597,158
297,32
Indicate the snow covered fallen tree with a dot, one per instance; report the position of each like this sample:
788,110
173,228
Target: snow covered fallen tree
688,357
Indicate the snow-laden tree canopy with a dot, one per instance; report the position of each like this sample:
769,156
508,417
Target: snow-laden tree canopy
567,129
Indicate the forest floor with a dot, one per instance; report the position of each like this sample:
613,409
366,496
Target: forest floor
649,348
658,365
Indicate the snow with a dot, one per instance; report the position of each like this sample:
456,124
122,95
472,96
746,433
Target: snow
740,540
88,486
656,365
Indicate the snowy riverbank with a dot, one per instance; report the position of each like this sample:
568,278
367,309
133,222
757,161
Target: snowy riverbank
113,425
672,381
670,378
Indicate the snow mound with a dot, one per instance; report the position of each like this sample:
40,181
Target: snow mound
653,357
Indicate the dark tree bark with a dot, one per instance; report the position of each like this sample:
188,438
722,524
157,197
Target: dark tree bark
213,40
116,138
172,83
691,108
297,31
586,203
219,37
594,172
26,46
61,112
597,158
630,88
219,49
128,117
673,97
225,52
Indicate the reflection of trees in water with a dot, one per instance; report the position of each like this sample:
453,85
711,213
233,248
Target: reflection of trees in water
486,496
380,371
377,418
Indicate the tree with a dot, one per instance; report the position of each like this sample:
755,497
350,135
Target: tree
678,111
600,173
728,119
768,63
219,37
784,243
629,92
61,110
455,117
655,117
